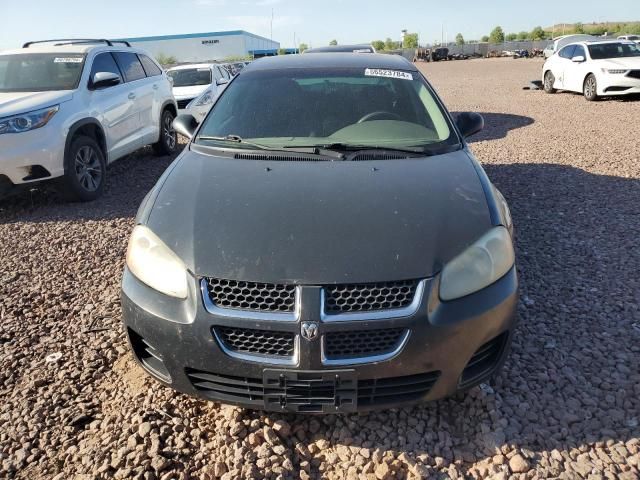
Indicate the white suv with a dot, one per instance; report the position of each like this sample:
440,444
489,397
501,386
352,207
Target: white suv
191,81
68,108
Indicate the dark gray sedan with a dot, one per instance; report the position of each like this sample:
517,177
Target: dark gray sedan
325,243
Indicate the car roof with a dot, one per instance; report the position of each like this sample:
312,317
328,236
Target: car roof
191,65
72,49
331,60
340,48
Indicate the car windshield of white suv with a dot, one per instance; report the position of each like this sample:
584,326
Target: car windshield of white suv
40,72
614,50
350,107
191,77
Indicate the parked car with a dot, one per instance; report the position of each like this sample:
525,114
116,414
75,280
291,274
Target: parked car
68,108
631,38
343,49
439,53
199,106
595,69
350,259
190,81
564,40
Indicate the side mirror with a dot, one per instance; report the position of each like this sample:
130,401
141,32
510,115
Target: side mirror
104,80
222,81
186,125
578,59
469,123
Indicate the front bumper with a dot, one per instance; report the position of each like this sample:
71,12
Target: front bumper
34,155
618,84
450,346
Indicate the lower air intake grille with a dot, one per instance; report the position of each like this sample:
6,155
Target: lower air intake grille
369,296
259,297
634,74
227,387
148,355
256,342
363,343
395,389
484,360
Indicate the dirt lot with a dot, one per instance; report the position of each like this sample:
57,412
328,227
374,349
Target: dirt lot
567,403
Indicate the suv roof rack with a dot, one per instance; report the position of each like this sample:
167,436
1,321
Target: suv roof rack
75,41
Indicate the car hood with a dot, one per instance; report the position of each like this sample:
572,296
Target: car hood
189,92
319,222
620,63
13,103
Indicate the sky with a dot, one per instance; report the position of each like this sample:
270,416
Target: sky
315,23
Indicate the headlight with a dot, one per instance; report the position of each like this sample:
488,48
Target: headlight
153,263
205,99
480,265
27,121
615,71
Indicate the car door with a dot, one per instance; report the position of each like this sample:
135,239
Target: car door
140,91
564,66
578,71
161,92
114,108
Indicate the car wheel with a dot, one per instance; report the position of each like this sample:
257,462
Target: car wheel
168,140
590,88
85,170
549,80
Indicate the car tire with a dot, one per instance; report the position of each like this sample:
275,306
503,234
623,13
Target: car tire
85,170
168,141
549,80
590,88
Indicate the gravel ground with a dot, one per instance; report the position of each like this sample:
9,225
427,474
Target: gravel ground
566,405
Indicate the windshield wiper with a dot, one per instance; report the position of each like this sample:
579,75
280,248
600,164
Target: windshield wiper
350,147
310,150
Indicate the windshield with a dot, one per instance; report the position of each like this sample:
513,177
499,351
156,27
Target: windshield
190,77
320,107
614,50
40,72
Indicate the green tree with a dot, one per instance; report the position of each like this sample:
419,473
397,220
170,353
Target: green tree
459,39
537,34
303,47
522,36
578,28
166,59
389,44
496,35
410,40
511,37
282,51
333,42
378,45
485,38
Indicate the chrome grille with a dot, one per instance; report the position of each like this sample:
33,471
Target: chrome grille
369,296
363,343
253,296
256,342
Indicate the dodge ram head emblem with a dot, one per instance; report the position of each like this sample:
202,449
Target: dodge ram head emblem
309,330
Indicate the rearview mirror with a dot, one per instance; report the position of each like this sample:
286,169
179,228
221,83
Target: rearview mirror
222,81
578,59
186,125
469,123
104,80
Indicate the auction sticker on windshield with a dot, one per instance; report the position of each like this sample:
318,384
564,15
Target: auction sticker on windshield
376,72
68,60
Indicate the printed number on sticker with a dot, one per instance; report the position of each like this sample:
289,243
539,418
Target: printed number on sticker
68,60
376,72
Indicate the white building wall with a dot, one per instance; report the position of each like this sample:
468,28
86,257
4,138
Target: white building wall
201,48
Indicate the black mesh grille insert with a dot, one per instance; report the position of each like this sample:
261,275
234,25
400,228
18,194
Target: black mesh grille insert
344,345
395,389
259,297
484,360
256,342
369,296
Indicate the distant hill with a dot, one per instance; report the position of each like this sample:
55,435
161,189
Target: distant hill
595,28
